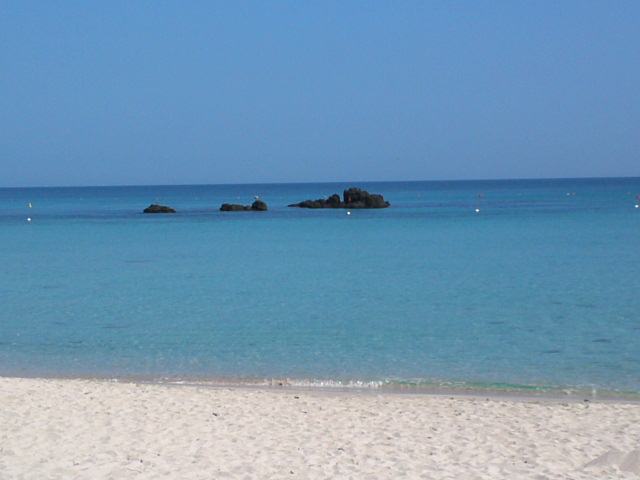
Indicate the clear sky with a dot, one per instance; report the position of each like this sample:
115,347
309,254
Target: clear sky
181,92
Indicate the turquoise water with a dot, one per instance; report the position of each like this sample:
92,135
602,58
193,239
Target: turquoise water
537,290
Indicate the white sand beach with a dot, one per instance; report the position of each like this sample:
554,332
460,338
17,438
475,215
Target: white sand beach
87,429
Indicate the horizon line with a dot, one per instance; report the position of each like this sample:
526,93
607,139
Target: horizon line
322,182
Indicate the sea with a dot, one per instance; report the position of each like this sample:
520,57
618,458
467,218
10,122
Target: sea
504,286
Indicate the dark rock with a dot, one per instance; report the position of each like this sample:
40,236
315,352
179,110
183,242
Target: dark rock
334,201
155,208
356,198
233,207
351,198
311,204
257,206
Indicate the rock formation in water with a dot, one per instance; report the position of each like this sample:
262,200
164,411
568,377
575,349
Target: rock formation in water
352,198
257,206
155,208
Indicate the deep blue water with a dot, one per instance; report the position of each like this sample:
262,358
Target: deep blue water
539,289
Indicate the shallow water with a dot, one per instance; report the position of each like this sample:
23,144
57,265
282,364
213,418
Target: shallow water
537,289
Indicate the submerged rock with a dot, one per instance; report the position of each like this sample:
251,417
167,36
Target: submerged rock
351,198
257,206
155,208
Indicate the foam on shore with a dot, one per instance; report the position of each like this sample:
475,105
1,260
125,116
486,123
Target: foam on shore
56,428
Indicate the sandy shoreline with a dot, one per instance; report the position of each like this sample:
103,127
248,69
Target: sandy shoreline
59,429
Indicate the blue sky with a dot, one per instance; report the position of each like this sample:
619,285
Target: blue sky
158,92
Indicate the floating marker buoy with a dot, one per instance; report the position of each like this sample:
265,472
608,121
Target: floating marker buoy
28,219
30,206
477,210
348,213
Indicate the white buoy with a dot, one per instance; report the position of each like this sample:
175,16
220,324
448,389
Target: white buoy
348,212
28,219
477,210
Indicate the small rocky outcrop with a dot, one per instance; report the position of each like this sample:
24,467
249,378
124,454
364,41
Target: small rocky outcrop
155,208
257,206
352,198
